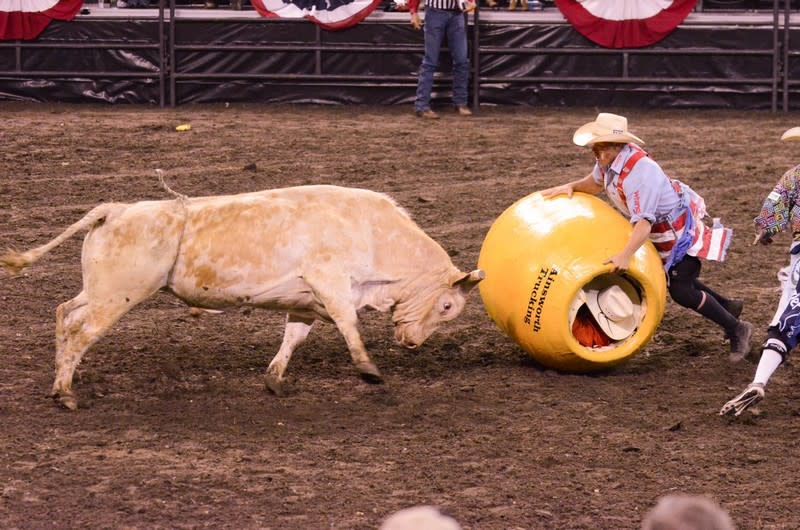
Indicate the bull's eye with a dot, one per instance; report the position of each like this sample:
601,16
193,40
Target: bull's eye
447,306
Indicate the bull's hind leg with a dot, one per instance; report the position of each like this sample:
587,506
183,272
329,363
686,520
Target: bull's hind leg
78,326
65,313
297,329
125,259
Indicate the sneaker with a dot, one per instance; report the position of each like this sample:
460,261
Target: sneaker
428,114
740,341
749,397
461,110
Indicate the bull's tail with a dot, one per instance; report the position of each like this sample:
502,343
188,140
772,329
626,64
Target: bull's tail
12,262
180,196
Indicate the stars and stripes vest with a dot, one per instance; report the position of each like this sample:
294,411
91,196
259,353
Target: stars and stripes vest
682,231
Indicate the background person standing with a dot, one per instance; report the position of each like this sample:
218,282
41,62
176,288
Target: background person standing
444,19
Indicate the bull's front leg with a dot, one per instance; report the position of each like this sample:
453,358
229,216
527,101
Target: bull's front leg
335,295
296,331
358,352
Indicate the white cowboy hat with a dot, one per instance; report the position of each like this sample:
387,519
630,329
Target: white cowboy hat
610,128
614,310
792,134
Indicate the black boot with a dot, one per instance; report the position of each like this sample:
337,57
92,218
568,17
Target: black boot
740,341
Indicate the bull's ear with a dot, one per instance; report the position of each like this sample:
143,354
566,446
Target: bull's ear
469,280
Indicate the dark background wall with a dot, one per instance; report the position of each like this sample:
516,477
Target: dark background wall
714,60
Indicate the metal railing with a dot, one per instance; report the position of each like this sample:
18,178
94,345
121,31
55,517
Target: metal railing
171,69
159,45
775,55
779,53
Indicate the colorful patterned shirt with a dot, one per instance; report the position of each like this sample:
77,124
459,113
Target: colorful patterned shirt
780,209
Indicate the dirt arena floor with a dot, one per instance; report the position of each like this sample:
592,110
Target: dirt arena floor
176,430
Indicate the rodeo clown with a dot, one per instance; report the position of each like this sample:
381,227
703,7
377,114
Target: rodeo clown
780,211
667,212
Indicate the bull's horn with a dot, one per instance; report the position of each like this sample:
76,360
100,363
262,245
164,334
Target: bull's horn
477,275
470,280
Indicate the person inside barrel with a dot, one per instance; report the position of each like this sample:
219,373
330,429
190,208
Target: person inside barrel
666,211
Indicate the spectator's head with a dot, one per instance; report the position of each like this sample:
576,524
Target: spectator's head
419,518
687,512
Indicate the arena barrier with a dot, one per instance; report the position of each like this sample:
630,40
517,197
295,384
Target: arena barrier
173,55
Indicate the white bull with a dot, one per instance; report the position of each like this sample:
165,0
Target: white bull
315,252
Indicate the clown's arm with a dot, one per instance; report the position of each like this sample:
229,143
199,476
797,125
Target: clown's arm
640,234
585,185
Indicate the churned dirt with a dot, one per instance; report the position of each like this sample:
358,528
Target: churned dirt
176,430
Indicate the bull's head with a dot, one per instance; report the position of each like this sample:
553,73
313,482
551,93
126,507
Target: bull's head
423,309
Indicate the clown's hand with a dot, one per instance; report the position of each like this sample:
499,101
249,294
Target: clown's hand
620,262
763,237
564,189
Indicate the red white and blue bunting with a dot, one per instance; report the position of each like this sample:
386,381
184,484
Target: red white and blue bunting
26,19
625,23
329,14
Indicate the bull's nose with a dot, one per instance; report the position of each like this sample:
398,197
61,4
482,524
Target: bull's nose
403,338
405,342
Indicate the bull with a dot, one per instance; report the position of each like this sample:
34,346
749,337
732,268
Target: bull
313,252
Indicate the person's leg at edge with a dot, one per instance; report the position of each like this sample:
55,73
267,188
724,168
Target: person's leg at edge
433,28
774,352
782,336
772,356
457,43
781,339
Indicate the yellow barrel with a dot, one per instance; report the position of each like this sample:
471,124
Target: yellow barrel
543,260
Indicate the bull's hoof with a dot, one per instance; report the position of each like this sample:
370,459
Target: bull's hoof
369,373
66,400
274,385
